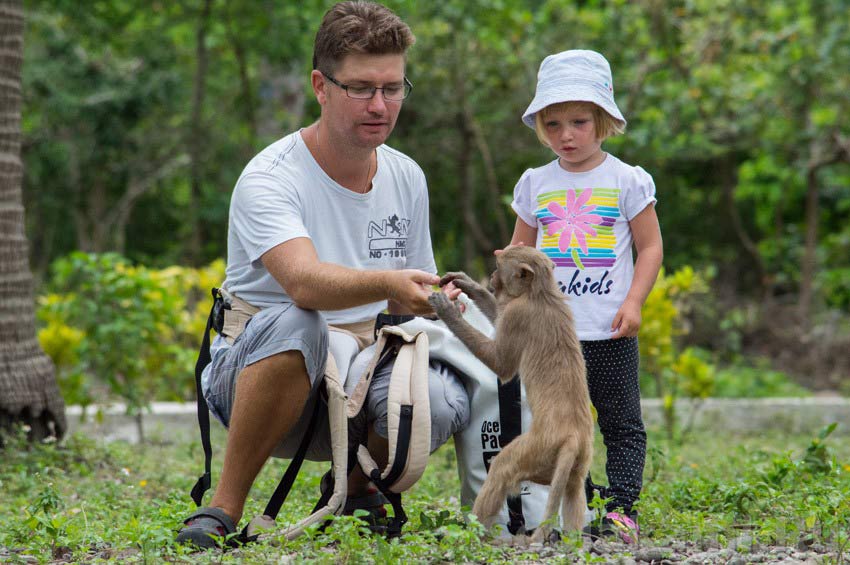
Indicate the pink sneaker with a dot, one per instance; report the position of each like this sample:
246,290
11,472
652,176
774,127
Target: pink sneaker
622,524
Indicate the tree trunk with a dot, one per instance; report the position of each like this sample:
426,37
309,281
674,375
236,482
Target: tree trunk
729,181
807,269
28,390
196,136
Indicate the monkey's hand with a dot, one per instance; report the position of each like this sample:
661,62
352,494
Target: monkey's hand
446,308
462,281
477,293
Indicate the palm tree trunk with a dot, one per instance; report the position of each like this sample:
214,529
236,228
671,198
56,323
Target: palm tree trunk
28,390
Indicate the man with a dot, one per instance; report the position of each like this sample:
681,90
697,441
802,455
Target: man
327,226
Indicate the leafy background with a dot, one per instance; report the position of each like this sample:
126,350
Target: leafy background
139,117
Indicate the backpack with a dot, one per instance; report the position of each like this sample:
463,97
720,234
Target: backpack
408,418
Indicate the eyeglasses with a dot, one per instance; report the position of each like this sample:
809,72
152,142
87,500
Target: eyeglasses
394,92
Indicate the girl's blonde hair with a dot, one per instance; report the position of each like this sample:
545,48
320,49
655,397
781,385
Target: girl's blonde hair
604,123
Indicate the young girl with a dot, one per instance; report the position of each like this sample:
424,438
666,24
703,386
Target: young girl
585,210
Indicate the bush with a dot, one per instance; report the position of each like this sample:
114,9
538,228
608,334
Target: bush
115,330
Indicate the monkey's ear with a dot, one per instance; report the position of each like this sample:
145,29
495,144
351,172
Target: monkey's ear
525,271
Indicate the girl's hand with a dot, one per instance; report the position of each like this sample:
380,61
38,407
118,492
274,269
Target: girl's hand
627,321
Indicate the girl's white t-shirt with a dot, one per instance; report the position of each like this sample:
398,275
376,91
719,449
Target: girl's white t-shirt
582,222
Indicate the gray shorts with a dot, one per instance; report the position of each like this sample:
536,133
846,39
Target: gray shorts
286,328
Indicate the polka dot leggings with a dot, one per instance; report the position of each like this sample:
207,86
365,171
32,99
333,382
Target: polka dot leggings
612,377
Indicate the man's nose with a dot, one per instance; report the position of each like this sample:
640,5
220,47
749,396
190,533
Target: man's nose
377,104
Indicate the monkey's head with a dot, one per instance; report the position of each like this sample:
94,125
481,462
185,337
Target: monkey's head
522,270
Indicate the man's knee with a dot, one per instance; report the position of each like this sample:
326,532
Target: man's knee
286,365
448,400
287,338
449,403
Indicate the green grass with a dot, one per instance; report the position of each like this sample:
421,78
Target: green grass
85,501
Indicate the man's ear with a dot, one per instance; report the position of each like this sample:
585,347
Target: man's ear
317,81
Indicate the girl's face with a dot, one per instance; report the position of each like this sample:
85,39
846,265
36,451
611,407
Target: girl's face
571,134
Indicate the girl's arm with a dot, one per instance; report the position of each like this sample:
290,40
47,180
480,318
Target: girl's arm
524,234
646,234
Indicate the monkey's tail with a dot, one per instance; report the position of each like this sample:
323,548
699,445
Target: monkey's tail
574,502
560,480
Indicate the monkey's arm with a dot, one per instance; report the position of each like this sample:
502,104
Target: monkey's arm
484,348
483,299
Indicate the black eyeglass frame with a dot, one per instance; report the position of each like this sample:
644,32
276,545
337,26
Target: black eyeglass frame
407,89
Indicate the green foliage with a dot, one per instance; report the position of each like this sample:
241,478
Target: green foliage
118,330
755,379
674,373
733,108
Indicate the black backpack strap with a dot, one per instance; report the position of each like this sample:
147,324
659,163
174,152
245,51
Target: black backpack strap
288,479
510,417
204,481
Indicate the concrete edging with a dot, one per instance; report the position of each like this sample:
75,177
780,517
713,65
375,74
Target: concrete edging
750,415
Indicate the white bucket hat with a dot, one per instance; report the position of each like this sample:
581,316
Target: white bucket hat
573,76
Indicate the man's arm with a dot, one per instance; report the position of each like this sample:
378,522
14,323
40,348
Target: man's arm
315,285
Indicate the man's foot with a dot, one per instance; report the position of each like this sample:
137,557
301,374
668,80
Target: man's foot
371,501
615,525
206,528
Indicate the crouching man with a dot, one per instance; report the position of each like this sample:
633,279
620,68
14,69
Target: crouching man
327,226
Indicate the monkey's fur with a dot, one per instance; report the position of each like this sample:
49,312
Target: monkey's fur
535,337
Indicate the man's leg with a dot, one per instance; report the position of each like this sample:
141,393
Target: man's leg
270,397
379,449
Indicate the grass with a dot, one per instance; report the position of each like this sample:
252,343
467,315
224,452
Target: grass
85,501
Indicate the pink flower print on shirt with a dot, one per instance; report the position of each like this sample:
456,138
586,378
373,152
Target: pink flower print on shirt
575,220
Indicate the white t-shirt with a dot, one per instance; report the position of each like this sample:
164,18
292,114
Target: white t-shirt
284,194
582,222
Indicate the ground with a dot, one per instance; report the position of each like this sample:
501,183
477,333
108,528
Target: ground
708,499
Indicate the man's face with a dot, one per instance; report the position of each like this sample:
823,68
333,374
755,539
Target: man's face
361,123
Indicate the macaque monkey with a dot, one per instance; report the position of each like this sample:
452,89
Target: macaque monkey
535,337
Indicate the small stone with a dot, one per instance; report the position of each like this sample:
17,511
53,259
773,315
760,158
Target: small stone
737,561
818,548
744,541
710,544
651,554
627,561
804,544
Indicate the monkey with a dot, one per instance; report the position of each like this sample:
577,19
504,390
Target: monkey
535,336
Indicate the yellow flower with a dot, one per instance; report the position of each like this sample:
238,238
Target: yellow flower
694,466
847,467
143,483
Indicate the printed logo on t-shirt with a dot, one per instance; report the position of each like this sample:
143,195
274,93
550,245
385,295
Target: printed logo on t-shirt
579,234
388,237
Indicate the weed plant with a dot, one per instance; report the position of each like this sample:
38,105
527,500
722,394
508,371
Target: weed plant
83,501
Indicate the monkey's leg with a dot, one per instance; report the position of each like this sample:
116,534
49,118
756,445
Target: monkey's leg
509,467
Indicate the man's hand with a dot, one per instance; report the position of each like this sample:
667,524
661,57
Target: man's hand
627,321
410,289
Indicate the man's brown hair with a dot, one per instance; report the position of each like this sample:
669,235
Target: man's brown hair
359,27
